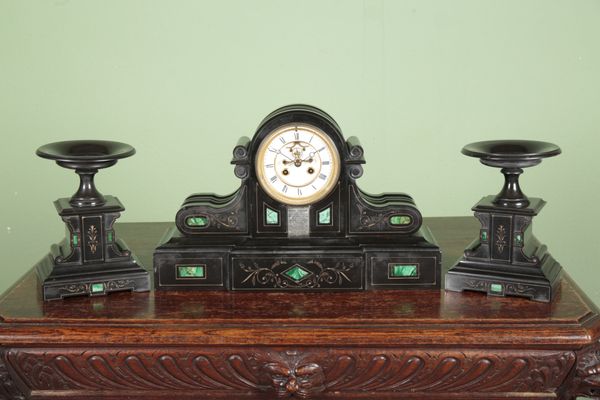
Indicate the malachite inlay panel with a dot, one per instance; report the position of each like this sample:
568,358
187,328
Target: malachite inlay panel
197,221
271,216
519,239
190,271
325,216
75,239
109,236
496,288
296,273
484,236
400,219
403,270
97,287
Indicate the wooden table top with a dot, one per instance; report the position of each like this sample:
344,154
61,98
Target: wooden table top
386,317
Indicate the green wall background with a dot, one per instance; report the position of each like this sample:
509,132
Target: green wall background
414,80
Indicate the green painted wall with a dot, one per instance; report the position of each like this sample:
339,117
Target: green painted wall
415,80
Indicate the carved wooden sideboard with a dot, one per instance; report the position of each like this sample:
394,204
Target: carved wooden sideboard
359,345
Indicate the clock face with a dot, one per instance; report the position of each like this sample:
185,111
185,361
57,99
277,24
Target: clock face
297,164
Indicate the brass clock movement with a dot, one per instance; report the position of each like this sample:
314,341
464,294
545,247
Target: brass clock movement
298,221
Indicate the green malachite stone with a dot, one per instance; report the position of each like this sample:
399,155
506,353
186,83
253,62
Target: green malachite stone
198,221
403,271
271,217
297,273
190,271
496,288
97,287
110,236
400,220
519,239
75,239
484,236
325,216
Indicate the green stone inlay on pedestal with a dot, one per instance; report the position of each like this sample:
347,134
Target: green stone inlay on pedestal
97,287
296,273
271,216
403,270
109,236
75,239
484,236
518,239
496,288
400,219
191,271
197,221
325,216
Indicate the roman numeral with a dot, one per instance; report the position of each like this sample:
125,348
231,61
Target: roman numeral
296,135
272,150
314,187
322,176
282,139
284,189
270,166
274,178
299,192
321,149
311,138
325,163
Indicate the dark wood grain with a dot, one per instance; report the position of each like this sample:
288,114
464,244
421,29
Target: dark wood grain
344,345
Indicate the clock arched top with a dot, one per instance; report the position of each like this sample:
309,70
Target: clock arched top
299,114
350,151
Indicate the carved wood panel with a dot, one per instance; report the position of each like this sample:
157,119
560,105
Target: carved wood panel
302,372
8,390
585,379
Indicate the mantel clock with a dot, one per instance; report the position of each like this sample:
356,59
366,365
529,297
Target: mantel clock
298,221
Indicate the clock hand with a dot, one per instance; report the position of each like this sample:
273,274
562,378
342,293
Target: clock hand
279,152
310,157
297,162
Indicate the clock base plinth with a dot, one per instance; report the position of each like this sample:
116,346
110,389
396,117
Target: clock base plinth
300,265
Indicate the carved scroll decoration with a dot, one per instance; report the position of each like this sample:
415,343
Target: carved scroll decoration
336,274
586,377
85,288
229,217
300,373
374,217
516,289
8,390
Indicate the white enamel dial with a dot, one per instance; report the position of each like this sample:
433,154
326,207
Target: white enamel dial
297,164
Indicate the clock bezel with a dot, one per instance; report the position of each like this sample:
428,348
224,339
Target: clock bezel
322,192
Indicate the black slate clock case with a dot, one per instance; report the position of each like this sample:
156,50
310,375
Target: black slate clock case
349,240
